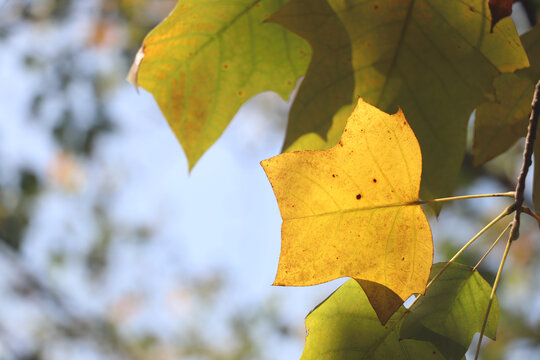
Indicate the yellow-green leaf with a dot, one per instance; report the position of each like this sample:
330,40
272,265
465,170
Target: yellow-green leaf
452,311
345,327
499,123
352,210
440,325
435,58
207,58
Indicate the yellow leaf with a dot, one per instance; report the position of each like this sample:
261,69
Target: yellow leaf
353,210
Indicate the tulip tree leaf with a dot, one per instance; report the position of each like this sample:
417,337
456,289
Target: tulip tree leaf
452,311
501,122
436,59
207,58
352,210
345,326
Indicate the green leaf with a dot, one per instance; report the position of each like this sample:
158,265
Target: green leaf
207,58
435,59
502,121
452,311
345,326
329,72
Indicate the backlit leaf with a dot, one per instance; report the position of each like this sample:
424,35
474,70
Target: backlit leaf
501,122
452,311
434,58
352,210
345,326
207,58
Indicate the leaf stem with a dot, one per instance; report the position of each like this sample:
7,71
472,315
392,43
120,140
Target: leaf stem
506,212
493,245
492,296
527,161
464,197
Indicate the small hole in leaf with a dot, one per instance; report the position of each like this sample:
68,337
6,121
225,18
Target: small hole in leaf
358,197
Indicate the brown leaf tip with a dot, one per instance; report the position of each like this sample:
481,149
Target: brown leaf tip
499,10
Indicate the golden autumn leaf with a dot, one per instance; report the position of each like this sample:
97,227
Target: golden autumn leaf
353,210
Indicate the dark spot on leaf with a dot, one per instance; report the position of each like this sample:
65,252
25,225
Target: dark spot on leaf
340,143
289,82
240,93
389,138
225,66
434,352
358,197
333,175
376,6
404,123
402,259
374,180
345,130
471,8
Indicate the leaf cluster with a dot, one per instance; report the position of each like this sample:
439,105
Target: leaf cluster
352,178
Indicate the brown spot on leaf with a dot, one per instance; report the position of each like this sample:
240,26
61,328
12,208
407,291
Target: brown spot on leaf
358,196
376,6
225,66
402,259
374,180
240,93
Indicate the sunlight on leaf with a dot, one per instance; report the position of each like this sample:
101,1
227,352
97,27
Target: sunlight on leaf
435,59
452,311
344,326
500,123
350,210
208,58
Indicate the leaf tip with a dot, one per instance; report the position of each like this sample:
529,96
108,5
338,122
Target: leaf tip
499,9
133,73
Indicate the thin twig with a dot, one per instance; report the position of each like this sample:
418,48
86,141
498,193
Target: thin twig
527,160
506,212
531,213
492,246
492,295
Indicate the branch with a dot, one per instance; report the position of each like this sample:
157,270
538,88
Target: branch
527,155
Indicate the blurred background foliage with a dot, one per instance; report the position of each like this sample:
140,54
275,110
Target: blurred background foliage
75,57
